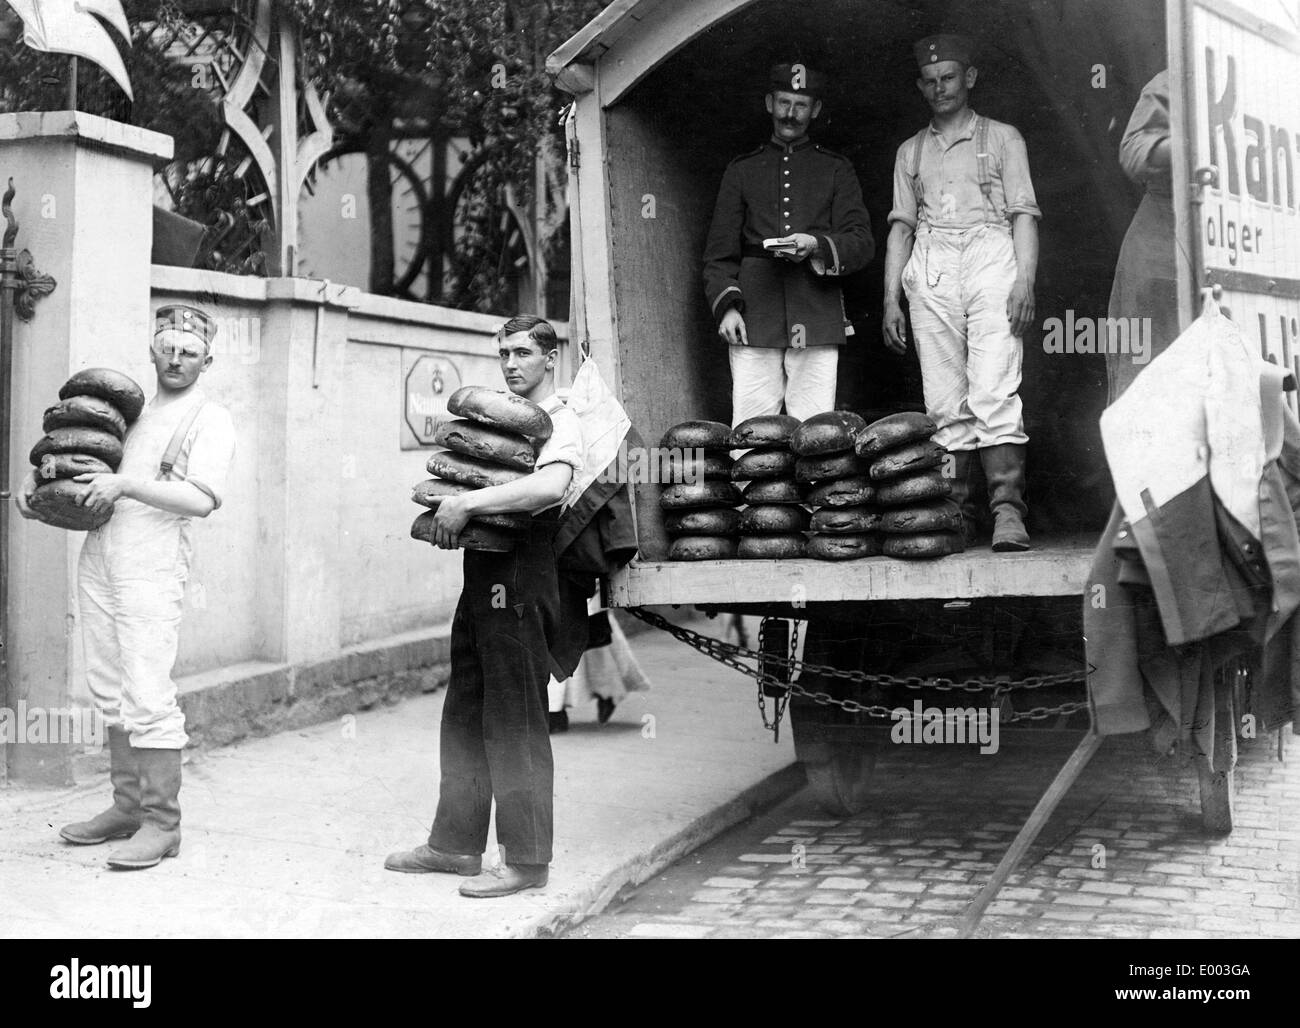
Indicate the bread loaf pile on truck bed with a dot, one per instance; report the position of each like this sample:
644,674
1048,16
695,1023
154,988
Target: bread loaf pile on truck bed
494,440
699,503
918,519
873,489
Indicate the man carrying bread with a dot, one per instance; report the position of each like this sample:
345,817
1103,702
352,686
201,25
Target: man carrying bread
509,632
131,585
963,243
788,224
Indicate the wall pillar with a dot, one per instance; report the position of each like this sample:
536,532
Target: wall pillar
84,189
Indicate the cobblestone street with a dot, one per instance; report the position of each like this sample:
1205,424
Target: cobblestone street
1125,855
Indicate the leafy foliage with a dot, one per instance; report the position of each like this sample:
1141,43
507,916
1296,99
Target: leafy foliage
442,68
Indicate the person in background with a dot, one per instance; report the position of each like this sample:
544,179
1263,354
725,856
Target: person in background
607,672
963,243
131,584
1145,278
780,309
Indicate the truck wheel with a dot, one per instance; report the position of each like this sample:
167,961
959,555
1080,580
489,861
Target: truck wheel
839,775
1217,781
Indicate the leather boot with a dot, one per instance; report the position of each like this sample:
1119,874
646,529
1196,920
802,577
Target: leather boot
1004,467
962,482
122,819
160,831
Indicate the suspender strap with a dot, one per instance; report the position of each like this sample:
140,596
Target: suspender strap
918,141
982,156
173,451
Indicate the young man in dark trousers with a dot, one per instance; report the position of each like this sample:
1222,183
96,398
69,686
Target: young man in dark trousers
510,631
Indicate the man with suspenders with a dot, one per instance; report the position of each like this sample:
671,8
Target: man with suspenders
963,243
131,583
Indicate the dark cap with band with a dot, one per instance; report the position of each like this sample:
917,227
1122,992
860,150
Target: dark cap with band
944,47
796,78
183,318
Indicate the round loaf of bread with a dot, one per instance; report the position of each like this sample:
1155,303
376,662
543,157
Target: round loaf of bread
456,467
472,537
760,464
89,441
764,430
57,503
431,493
829,432
853,491
773,490
845,464
923,547
770,547
688,495
943,516
773,519
501,410
70,465
846,546
85,412
907,460
706,521
691,435
483,442
894,431
909,490
702,547
690,466
845,519
118,389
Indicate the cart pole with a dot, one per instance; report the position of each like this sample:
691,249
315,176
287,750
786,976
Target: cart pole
1055,793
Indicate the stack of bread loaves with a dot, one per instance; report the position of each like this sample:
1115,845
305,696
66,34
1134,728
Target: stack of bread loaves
495,441
845,520
918,518
773,523
84,432
700,503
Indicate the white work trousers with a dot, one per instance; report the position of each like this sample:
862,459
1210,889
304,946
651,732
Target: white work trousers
131,587
763,376
957,284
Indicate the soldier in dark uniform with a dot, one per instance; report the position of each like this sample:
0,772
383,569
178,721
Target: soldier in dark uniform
780,309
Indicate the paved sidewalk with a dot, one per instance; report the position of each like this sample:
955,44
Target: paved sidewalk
286,836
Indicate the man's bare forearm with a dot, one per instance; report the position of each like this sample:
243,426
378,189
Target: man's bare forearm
182,498
534,492
1024,235
898,252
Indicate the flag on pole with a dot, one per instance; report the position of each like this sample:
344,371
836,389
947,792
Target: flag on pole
73,27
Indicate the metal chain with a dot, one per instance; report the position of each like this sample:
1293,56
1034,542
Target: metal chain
727,653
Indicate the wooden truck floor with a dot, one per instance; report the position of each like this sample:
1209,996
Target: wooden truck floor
1056,566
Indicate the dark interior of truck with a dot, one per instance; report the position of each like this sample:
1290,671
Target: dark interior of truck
1066,74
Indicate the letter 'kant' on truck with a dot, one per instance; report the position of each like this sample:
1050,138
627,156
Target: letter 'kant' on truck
1239,69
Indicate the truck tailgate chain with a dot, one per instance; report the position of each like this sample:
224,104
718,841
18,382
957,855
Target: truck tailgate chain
732,655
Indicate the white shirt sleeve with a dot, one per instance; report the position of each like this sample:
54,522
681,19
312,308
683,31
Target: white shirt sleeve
564,447
210,451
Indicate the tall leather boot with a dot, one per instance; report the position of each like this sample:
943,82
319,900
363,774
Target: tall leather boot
122,819
1004,467
962,482
160,831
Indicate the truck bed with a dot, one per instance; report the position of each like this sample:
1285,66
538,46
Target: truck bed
1056,566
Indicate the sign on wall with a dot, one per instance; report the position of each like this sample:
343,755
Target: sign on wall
429,380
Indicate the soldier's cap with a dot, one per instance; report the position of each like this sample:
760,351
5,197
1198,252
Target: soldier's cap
944,47
184,318
796,77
